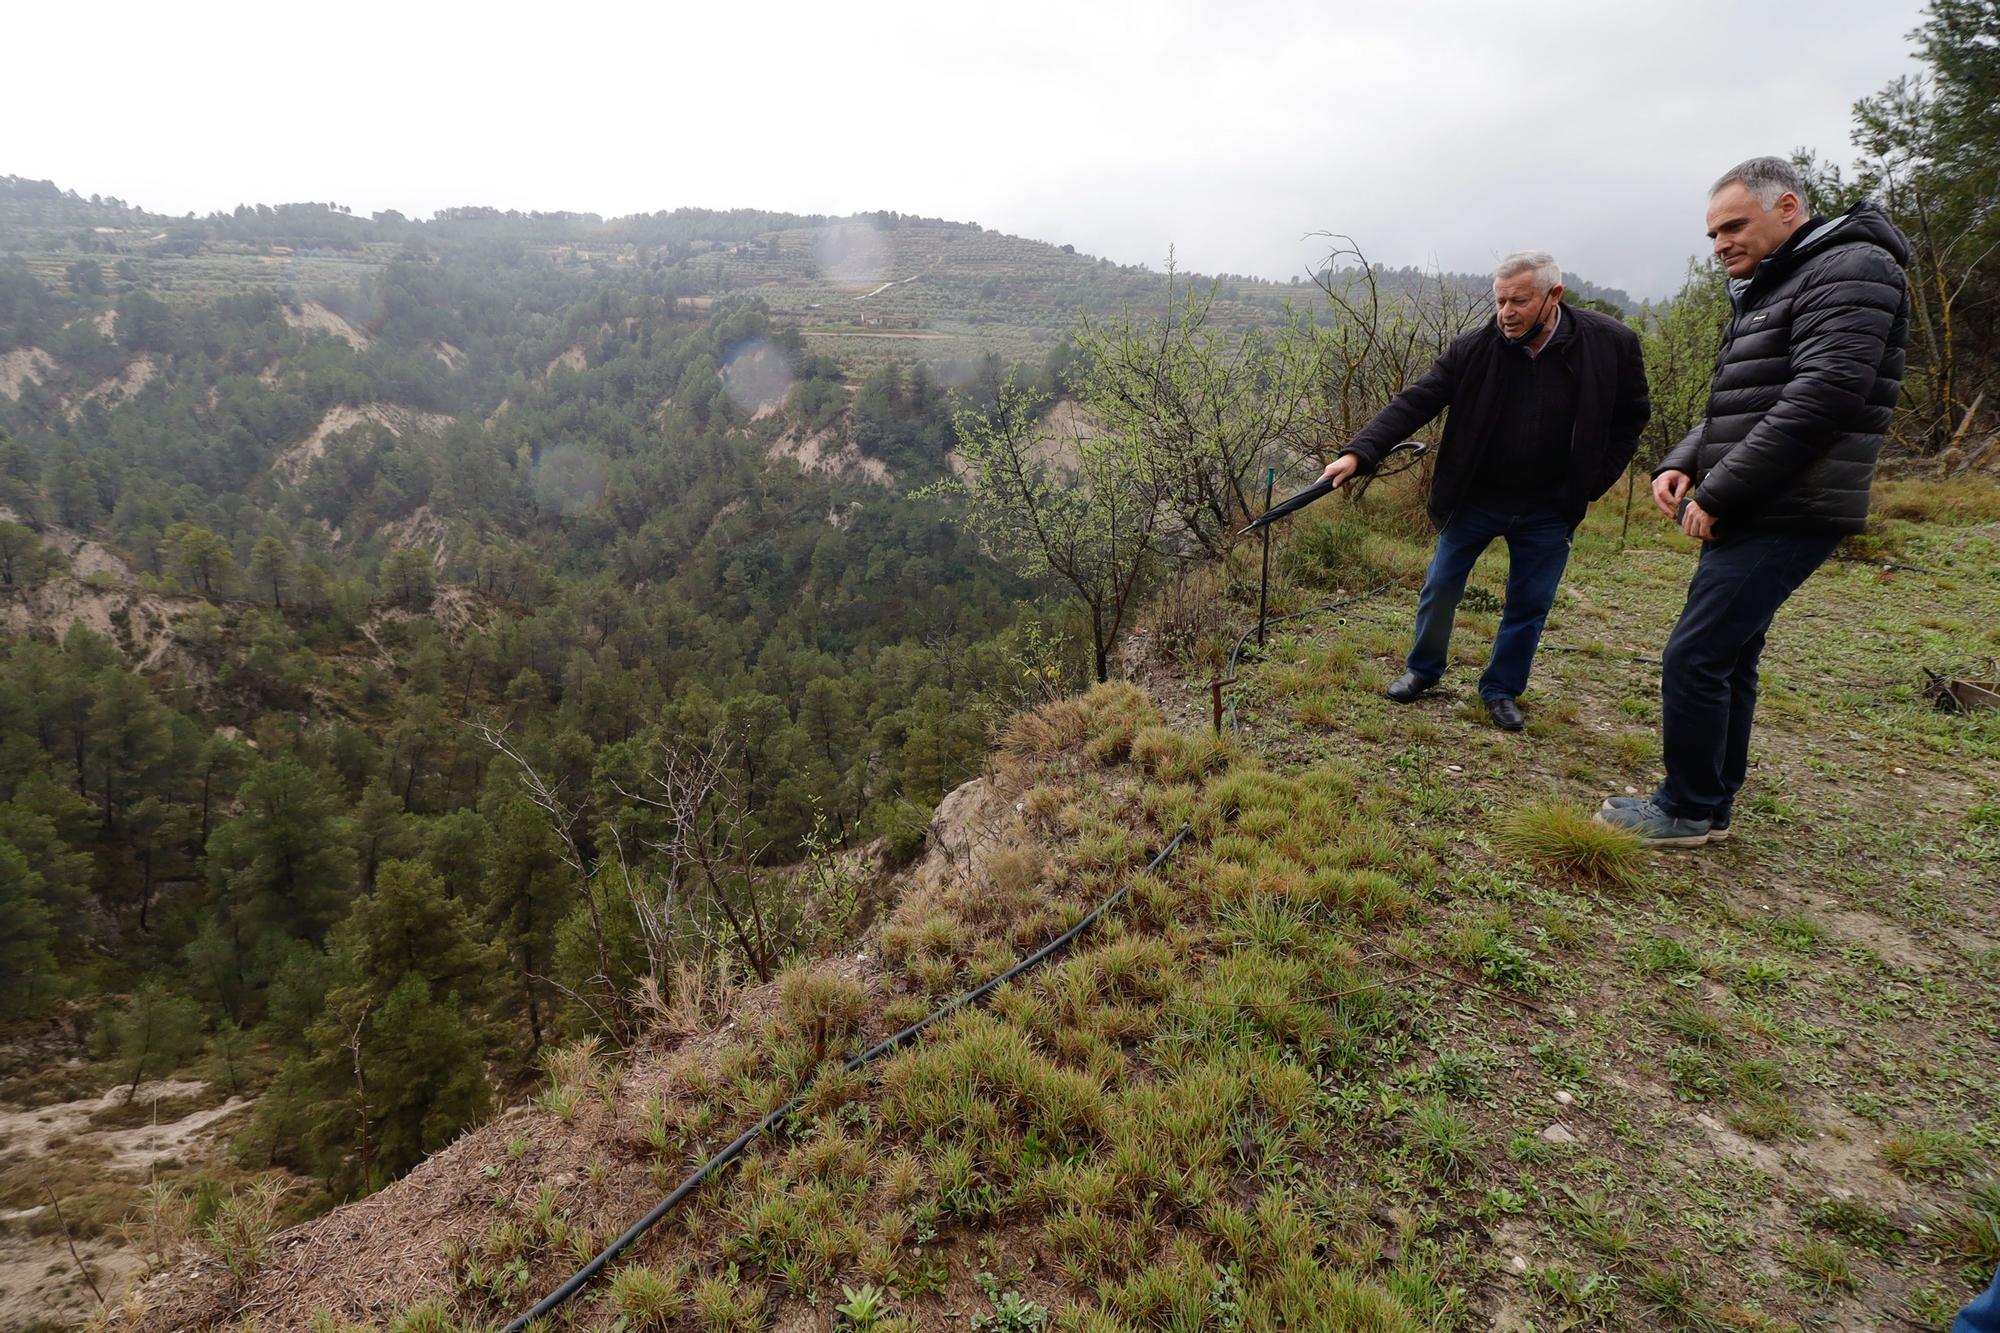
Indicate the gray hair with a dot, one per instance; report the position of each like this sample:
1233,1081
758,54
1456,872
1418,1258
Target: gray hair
1768,179
1548,273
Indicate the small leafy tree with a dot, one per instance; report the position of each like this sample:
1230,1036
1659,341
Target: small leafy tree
1371,343
1080,508
1198,411
1927,149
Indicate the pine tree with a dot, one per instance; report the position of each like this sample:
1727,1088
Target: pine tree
399,1063
27,964
285,861
154,1033
528,890
271,568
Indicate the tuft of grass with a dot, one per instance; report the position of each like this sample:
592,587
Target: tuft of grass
1674,1294
1694,1074
572,1070
1601,1224
1441,1139
1969,1231
1858,1222
1821,1267
720,1306
1767,1116
646,1298
429,1317
1798,932
1662,955
1695,1025
1562,839
1927,1153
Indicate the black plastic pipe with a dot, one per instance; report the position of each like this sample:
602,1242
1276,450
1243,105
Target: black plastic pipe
583,1276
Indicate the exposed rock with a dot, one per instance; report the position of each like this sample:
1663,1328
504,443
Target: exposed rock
21,367
295,462
119,387
314,317
824,453
423,530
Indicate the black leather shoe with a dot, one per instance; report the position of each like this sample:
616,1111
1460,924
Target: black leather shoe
1406,687
1506,714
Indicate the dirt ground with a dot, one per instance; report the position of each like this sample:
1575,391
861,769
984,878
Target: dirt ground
109,1142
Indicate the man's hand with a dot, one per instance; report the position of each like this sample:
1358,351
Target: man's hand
1696,522
1340,469
1668,489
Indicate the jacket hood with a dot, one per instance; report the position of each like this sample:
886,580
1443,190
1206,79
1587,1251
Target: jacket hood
1865,222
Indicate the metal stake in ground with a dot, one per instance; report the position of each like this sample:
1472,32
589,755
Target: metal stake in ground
1264,581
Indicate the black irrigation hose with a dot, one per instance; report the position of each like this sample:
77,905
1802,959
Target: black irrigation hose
578,1280
1235,727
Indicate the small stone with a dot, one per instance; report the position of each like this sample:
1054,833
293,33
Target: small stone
1558,1133
1453,768
1900,772
1564,1097
1631,791
1520,1263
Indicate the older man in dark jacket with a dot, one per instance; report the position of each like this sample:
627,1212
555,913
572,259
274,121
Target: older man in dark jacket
1546,408
1805,384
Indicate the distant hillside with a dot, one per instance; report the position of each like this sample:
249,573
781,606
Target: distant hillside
866,288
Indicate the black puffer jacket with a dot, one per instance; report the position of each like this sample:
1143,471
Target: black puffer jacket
1805,384
1612,407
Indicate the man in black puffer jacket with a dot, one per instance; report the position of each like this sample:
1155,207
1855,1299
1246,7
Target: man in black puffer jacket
1547,403
1805,384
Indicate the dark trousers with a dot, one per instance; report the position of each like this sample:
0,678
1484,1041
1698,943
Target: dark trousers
1983,1315
1708,685
1537,550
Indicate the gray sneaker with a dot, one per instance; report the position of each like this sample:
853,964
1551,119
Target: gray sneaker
1654,826
1718,828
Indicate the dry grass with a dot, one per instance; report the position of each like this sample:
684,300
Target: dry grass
1560,837
1959,501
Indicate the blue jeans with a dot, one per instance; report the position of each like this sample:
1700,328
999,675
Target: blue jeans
1708,682
1983,1315
1537,550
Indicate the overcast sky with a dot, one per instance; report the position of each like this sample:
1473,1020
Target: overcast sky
1433,131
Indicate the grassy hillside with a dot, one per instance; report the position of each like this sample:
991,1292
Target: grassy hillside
1395,1041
